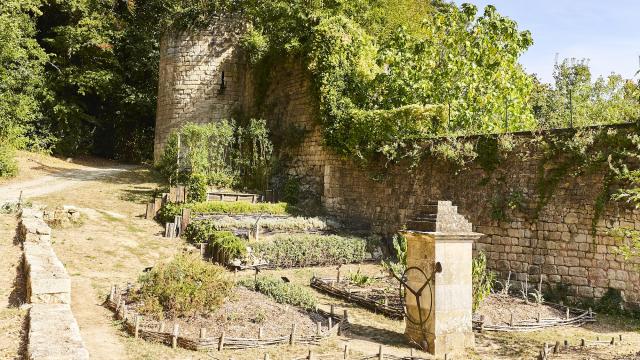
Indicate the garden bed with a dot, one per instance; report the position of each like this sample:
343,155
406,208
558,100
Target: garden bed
500,312
247,320
382,296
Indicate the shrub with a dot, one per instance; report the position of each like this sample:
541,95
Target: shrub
183,286
299,250
169,210
197,188
8,165
399,266
282,292
196,229
226,246
482,280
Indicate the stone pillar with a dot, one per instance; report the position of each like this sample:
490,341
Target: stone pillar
440,244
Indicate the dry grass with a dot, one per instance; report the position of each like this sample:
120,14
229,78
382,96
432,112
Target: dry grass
12,318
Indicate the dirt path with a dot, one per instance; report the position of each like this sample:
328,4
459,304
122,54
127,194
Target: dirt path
55,182
12,318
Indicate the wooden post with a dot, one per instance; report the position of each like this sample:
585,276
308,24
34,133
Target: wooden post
260,332
221,342
346,351
150,213
566,343
590,313
293,335
177,221
112,294
161,327
203,249
511,320
266,356
167,230
568,313
620,337
174,336
318,327
186,219
330,323
338,275
380,353
345,316
203,333
613,341
556,349
136,330
157,204
310,356
582,342
332,310
539,317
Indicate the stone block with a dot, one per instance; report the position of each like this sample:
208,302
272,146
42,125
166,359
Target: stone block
47,279
54,334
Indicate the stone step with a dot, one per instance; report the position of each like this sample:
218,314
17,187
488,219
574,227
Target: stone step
427,226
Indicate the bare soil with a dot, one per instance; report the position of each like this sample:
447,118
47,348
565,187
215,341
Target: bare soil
497,310
242,316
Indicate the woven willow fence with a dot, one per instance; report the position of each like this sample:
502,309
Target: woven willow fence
156,332
573,317
390,306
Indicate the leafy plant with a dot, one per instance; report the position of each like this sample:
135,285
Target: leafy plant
293,224
505,286
183,286
482,280
282,292
170,210
225,246
360,279
399,265
301,250
197,188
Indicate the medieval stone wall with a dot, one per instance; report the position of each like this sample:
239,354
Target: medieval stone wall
191,87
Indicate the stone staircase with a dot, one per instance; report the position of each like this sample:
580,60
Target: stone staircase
439,216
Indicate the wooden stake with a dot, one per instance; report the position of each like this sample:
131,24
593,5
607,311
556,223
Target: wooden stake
333,311
136,330
330,323
568,313
539,317
266,356
511,320
161,327
202,249
582,342
260,332
345,316
613,341
203,333
346,351
310,356
380,353
293,335
221,342
318,327
150,213
174,337
556,349
112,294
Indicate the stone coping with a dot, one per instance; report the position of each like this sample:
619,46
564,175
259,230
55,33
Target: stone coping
54,334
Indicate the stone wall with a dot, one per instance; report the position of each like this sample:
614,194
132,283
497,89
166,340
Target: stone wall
560,242
191,88
53,331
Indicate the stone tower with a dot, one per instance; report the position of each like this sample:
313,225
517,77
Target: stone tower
201,78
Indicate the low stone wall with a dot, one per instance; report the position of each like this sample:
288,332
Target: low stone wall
53,331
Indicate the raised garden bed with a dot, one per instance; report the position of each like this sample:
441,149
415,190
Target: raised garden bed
249,320
501,312
382,298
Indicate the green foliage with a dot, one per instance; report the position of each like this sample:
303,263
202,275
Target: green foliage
197,188
225,246
184,286
8,165
607,100
628,243
503,204
360,279
200,149
224,153
482,280
170,210
399,266
301,250
283,292
21,78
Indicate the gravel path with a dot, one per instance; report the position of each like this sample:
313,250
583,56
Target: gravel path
48,184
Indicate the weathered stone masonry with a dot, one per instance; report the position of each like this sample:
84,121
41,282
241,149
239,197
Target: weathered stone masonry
559,243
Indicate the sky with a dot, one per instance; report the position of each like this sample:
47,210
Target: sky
605,32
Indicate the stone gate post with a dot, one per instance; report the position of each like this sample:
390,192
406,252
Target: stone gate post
439,258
